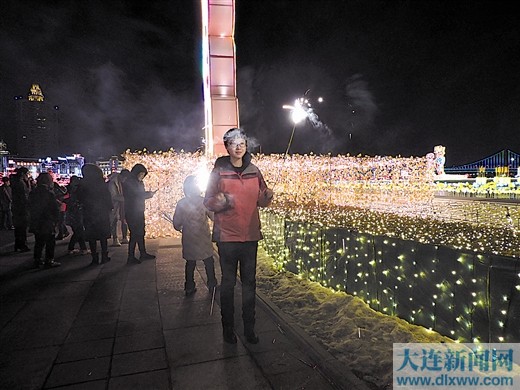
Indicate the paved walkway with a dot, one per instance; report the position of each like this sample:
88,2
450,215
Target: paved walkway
131,327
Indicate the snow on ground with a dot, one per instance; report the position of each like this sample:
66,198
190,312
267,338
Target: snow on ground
347,327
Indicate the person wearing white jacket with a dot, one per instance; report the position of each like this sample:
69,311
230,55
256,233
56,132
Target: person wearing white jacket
192,218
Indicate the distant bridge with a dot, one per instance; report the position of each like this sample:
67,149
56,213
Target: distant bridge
504,158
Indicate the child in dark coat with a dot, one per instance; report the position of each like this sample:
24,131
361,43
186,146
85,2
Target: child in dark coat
44,215
191,218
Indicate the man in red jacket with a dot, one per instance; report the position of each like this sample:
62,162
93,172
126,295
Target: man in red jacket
235,190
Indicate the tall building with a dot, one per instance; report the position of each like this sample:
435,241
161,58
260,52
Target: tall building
37,125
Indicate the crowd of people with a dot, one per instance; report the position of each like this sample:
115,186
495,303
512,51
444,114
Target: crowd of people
90,206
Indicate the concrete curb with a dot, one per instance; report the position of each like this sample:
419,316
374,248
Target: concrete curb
327,365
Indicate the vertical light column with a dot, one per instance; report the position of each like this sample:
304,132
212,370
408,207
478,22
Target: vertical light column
219,72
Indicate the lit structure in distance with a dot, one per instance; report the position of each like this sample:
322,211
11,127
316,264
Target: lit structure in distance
218,72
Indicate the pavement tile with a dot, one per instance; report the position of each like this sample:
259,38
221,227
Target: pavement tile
33,334
168,272
105,286
78,371
143,311
94,385
94,317
106,290
141,361
136,288
139,342
154,380
65,289
85,350
92,304
138,325
9,310
199,344
233,373
92,332
189,313
171,296
141,275
64,308
26,369
165,283
144,298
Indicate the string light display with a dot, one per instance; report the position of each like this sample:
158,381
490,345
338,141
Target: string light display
370,226
166,173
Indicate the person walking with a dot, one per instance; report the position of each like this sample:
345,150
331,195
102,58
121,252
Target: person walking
191,219
96,203
44,215
6,201
21,187
74,218
135,195
235,190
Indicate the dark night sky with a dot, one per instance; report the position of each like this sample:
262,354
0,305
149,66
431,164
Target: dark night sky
398,76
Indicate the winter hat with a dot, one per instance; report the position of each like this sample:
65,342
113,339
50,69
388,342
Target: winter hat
190,186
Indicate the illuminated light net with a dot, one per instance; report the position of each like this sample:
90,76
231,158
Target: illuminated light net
166,173
391,196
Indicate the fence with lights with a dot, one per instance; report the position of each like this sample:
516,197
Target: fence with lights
467,296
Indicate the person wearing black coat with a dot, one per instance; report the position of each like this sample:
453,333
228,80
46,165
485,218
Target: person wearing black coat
74,218
20,188
44,214
135,195
96,204
6,201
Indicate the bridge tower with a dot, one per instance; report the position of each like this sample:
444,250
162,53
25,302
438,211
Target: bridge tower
218,72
